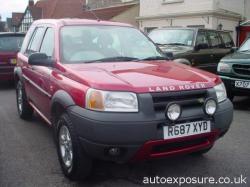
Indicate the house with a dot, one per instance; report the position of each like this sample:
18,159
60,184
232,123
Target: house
213,14
113,10
97,4
12,24
15,21
125,11
31,13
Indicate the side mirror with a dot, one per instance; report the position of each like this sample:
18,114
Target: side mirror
40,59
169,55
201,46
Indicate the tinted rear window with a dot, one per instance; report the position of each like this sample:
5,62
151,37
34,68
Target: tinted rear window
10,43
214,39
227,39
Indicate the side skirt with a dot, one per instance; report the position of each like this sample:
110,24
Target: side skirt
40,114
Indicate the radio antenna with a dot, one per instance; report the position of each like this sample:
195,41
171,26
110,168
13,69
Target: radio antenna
87,8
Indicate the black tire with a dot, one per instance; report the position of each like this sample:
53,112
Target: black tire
202,152
24,109
81,163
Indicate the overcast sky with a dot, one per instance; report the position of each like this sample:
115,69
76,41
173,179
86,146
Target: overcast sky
9,6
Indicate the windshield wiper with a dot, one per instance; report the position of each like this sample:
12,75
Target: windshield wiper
113,59
161,44
182,44
154,58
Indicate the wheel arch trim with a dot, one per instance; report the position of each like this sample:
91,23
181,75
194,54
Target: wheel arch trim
61,98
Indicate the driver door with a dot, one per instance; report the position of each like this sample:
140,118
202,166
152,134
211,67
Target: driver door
39,76
43,73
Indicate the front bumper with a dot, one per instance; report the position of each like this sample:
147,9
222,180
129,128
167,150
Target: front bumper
139,134
6,73
230,86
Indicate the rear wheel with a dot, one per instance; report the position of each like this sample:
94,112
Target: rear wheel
25,111
74,161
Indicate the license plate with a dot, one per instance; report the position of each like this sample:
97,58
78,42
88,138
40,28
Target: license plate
13,61
187,129
242,84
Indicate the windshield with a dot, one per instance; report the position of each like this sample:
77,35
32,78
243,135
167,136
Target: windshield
245,46
173,36
10,43
105,43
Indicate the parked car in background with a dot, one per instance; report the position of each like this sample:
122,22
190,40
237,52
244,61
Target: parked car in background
198,47
114,96
234,69
10,43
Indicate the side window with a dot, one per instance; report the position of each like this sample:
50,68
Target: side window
35,42
27,39
202,40
47,46
214,39
227,39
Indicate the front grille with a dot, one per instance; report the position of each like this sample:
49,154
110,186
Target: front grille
6,69
184,98
178,145
242,69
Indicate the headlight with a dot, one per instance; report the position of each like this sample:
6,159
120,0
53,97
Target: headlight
224,68
221,92
111,101
210,107
173,112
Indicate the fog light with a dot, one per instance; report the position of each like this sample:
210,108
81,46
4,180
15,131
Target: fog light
114,151
210,107
173,112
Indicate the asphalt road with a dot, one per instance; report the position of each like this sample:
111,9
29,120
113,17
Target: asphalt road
28,155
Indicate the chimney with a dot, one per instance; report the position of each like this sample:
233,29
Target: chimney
31,3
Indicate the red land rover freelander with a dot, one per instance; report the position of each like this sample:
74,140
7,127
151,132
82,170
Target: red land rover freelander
109,93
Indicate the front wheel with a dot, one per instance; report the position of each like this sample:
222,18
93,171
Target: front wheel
24,109
74,162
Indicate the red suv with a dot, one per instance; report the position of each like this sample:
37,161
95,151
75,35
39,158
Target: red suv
109,93
10,43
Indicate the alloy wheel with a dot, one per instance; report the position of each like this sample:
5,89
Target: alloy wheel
65,145
20,98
